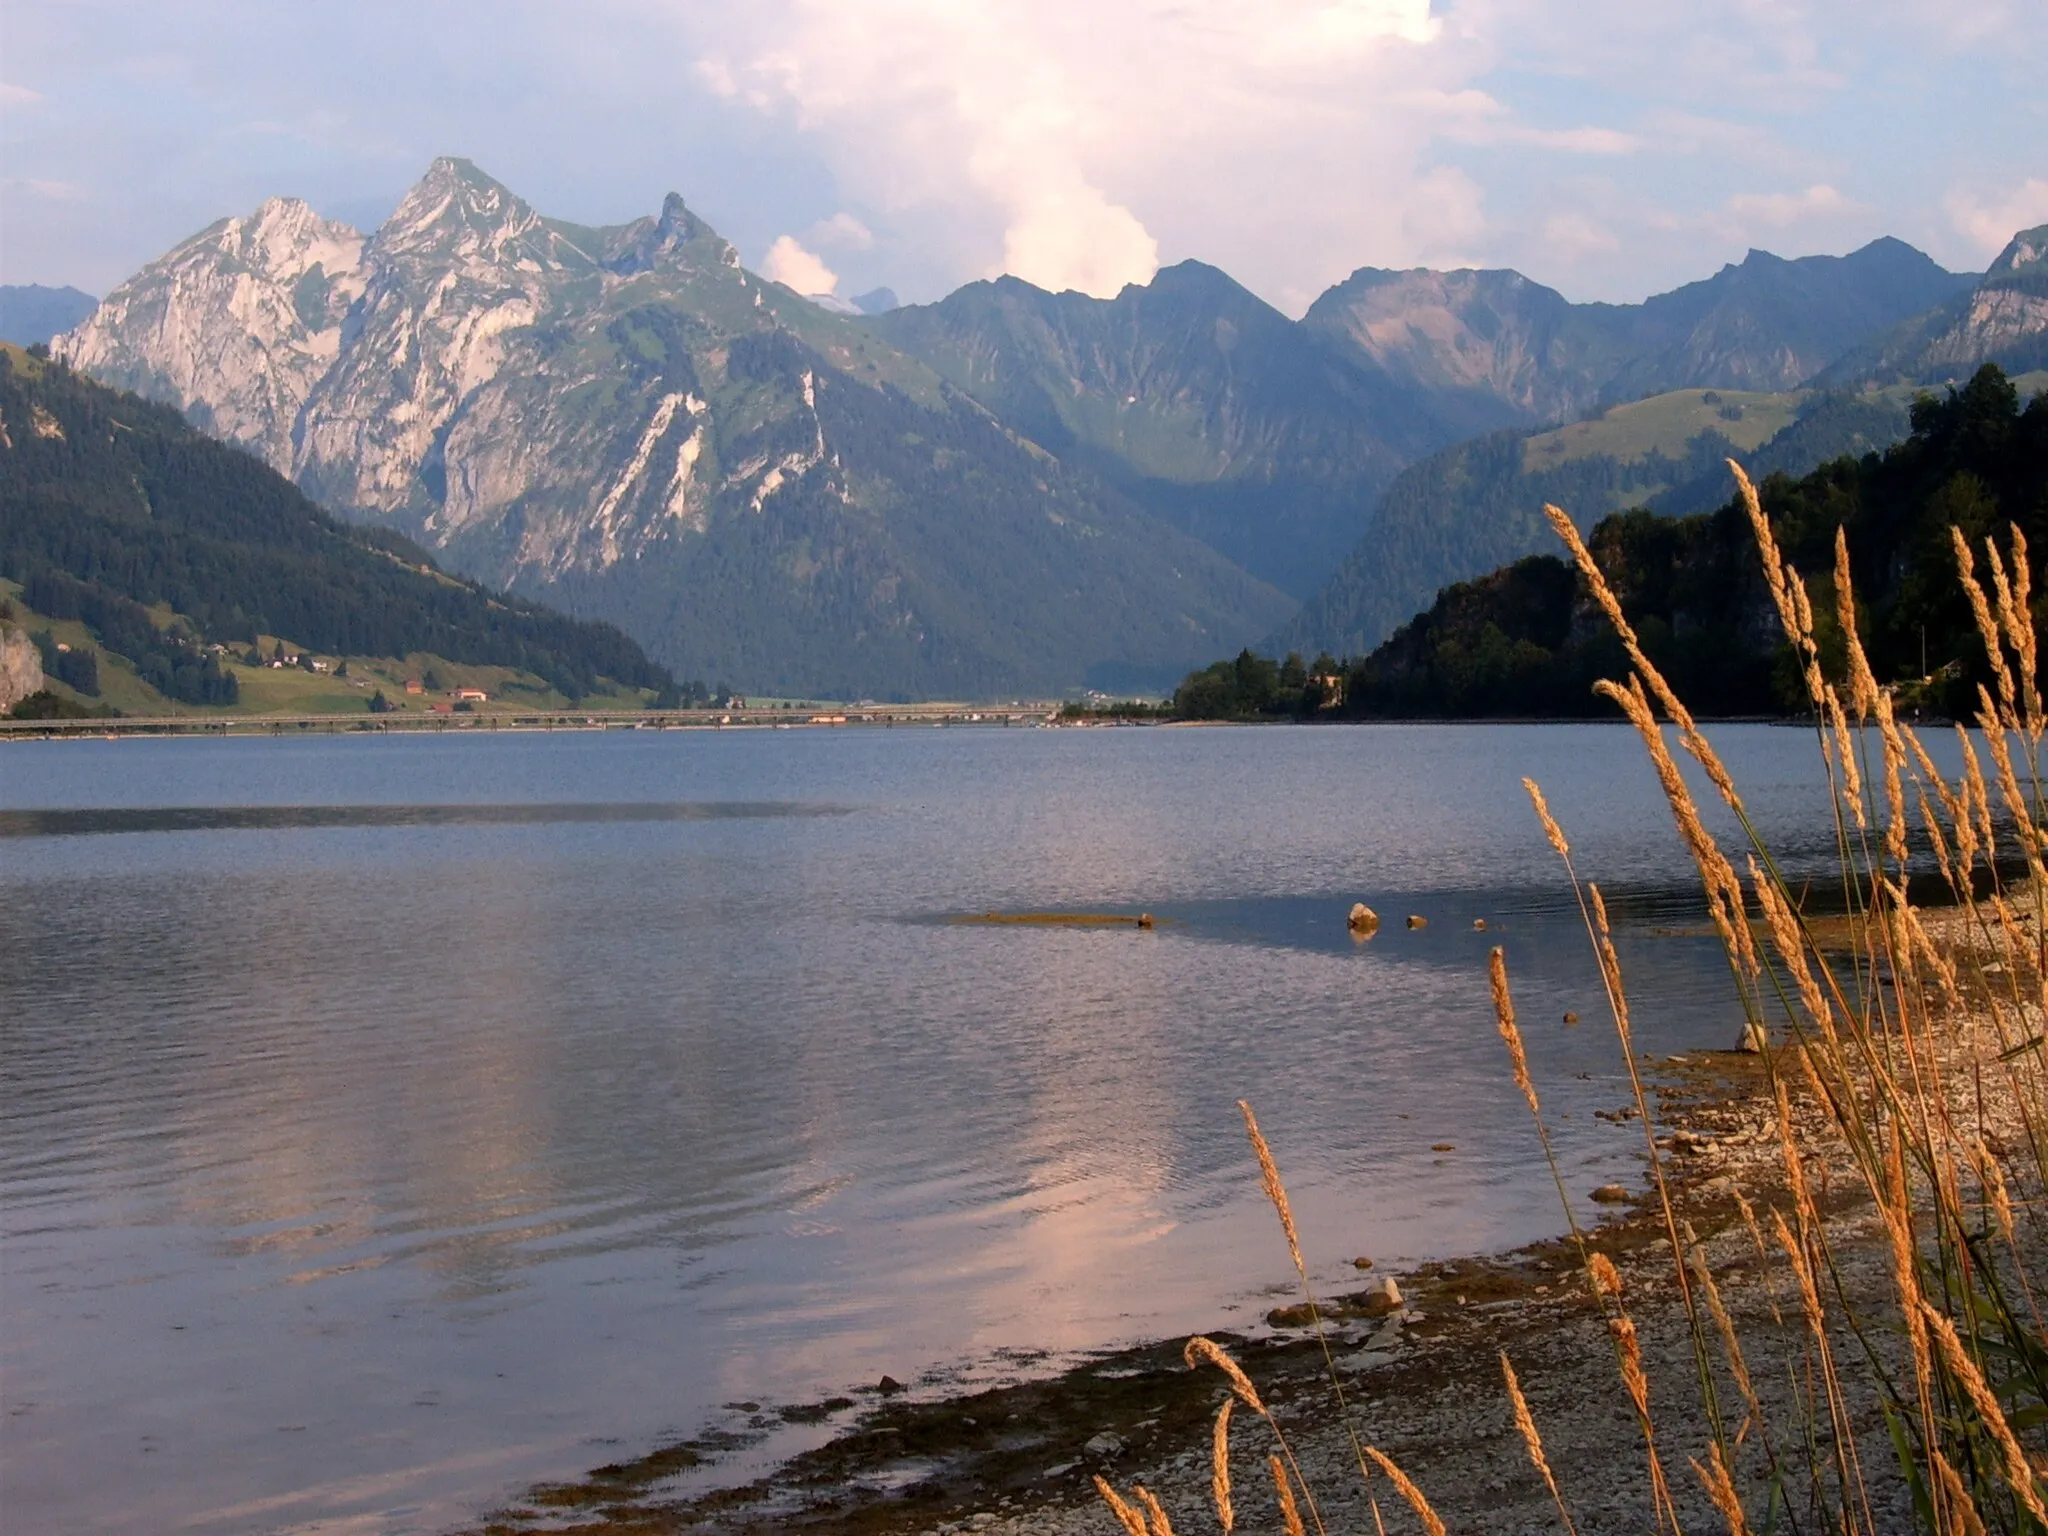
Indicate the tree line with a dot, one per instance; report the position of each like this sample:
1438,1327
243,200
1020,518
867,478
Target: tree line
1527,641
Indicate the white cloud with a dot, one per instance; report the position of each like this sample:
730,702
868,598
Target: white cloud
18,95
842,232
1781,210
1068,143
788,262
1573,236
49,189
1988,224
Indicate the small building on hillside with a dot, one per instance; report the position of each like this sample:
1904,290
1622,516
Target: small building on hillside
471,696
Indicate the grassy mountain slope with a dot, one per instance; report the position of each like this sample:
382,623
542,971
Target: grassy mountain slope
1525,640
1478,506
117,515
1192,396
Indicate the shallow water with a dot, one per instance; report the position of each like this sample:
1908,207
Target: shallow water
386,1122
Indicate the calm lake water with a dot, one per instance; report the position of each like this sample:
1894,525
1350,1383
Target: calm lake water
388,1122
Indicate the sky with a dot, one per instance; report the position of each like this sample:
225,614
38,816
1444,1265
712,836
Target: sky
1608,148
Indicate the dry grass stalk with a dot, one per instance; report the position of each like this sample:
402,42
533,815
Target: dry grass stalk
1551,829
1980,610
1723,888
1128,1517
2018,1471
1606,1278
1219,1467
1673,706
1283,1490
1276,1192
1504,1018
1525,1423
1731,1343
1629,1349
1407,1489
1200,1351
1959,1506
1161,1526
1721,1491
1863,690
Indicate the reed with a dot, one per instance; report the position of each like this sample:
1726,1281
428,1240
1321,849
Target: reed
1906,1082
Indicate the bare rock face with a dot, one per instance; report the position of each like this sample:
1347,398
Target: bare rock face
21,666
235,326
625,421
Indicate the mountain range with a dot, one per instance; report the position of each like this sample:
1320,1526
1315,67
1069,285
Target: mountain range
1006,490
31,314
1478,505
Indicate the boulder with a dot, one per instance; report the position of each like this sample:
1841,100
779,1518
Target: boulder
1611,1194
1417,922
1363,919
1383,1298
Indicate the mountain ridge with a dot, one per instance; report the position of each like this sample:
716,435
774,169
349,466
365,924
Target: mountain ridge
626,420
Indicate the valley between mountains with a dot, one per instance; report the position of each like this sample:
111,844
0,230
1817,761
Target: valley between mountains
1008,491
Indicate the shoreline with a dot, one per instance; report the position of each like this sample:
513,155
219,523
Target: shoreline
1020,1457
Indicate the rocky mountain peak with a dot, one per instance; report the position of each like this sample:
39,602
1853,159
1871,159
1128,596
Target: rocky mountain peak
675,239
456,211
2028,248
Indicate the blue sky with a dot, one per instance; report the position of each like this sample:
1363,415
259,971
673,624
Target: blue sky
1610,148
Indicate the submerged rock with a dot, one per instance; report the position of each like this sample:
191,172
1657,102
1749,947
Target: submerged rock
1611,1194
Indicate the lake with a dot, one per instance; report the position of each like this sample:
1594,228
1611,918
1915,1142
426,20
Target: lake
388,1122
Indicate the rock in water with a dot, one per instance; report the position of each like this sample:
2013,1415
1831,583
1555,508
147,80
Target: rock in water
1753,1040
1363,919
1611,1194
1417,922
1383,1298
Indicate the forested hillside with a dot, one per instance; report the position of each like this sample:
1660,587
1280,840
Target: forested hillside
1526,641
113,510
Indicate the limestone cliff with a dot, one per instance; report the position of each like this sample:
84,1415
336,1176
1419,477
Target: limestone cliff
21,666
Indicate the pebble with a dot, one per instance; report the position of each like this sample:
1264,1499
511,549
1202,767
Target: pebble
1361,1262
1104,1447
1367,1359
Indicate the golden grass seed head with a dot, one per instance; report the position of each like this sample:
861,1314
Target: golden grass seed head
1219,1467
1129,1518
1431,1525
1283,1491
1202,1351
1269,1174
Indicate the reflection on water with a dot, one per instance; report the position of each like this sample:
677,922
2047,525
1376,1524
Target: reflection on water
385,1123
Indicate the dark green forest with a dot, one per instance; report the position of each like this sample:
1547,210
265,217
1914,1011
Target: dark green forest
110,505
1527,641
